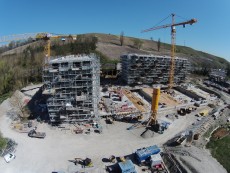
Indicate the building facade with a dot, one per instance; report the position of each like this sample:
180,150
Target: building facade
71,84
152,69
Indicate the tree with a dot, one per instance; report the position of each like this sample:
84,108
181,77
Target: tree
137,43
122,38
11,45
159,45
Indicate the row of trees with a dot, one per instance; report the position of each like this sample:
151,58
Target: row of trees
15,44
18,70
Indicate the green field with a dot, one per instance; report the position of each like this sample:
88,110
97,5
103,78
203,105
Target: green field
220,149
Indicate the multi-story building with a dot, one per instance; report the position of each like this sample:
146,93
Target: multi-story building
72,86
152,69
218,75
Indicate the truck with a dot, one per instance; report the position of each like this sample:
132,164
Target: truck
126,167
34,134
145,153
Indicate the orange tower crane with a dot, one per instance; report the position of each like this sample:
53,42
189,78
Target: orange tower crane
173,37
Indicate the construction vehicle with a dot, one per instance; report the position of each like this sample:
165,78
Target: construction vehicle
151,122
155,103
182,111
109,120
112,159
84,162
190,109
173,38
34,134
132,117
203,113
145,153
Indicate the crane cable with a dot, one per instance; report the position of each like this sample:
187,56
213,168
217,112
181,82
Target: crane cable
161,21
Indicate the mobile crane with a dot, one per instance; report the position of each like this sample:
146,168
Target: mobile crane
152,120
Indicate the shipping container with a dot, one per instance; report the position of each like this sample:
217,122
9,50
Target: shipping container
127,167
145,153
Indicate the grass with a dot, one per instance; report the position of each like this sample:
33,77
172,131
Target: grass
220,150
3,142
4,97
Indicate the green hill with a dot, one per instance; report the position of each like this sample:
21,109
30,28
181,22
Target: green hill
23,64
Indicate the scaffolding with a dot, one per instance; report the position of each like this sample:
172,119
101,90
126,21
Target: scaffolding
72,85
152,69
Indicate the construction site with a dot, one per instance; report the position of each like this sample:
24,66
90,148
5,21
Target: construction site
141,129
153,118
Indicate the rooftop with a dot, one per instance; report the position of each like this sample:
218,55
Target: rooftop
72,58
151,55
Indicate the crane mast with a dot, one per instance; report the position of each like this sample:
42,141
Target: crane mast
173,43
172,64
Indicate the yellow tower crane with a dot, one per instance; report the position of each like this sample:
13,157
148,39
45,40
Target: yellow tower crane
47,38
173,37
35,36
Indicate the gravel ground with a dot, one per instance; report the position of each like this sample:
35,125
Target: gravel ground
206,163
55,152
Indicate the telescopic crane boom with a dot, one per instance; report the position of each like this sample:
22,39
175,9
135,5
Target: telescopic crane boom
173,37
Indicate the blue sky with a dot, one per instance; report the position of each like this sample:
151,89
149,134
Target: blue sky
211,34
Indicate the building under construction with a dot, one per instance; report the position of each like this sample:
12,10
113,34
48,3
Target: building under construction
72,86
152,69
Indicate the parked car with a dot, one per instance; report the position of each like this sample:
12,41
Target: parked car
9,157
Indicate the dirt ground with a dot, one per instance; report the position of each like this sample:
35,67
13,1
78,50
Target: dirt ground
164,97
138,103
198,161
59,148
219,133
